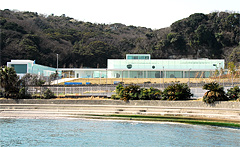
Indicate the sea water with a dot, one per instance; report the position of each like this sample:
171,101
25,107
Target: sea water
80,132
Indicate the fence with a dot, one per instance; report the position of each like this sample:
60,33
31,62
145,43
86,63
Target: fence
99,90
105,91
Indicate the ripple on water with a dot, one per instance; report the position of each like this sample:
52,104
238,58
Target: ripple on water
82,132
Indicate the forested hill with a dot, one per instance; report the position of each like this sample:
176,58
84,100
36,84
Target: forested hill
29,35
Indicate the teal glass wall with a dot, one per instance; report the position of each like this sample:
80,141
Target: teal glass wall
138,56
181,64
20,68
41,70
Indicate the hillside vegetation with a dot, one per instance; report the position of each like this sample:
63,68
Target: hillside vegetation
29,35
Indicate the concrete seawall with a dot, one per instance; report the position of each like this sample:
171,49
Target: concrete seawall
52,108
193,104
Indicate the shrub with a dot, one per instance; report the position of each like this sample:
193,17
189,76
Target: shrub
9,81
134,92
215,93
119,89
130,92
48,94
177,91
150,94
115,97
23,94
233,93
1,93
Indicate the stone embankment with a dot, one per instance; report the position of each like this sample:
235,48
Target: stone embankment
87,108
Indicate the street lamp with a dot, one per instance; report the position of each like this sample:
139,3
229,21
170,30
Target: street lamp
189,77
106,77
163,77
122,76
57,74
218,69
57,69
219,72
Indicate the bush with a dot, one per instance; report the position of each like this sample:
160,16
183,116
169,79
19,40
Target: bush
233,93
134,92
215,93
177,91
23,94
9,81
115,97
150,94
48,94
130,92
1,93
119,89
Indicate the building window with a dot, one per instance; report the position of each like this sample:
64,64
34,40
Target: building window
172,76
129,66
130,57
20,68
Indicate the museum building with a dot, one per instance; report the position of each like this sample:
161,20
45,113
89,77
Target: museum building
134,66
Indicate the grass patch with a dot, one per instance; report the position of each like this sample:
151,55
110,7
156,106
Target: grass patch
187,120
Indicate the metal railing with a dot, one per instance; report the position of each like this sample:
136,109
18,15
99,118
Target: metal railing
105,90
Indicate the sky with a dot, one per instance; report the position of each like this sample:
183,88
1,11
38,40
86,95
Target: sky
153,14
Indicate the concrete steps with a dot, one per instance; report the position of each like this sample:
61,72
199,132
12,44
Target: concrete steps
66,110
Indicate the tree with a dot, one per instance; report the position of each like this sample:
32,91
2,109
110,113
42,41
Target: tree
215,93
23,94
177,42
9,81
32,80
53,76
235,55
150,94
119,89
177,91
48,94
130,92
234,93
231,70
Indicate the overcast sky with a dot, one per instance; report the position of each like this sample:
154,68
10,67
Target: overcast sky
153,14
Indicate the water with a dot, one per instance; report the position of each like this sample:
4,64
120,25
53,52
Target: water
78,132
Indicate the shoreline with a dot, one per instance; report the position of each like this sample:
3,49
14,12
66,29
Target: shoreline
224,114
141,119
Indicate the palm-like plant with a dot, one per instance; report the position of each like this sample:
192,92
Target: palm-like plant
215,93
9,81
130,92
177,91
150,94
233,93
119,89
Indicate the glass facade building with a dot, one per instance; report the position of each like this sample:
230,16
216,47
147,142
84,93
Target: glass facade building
28,66
142,66
134,66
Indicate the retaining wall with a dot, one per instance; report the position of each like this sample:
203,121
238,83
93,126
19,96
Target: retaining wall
191,104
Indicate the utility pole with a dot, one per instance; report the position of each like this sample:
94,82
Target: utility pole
219,72
57,74
189,77
122,77
163,77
